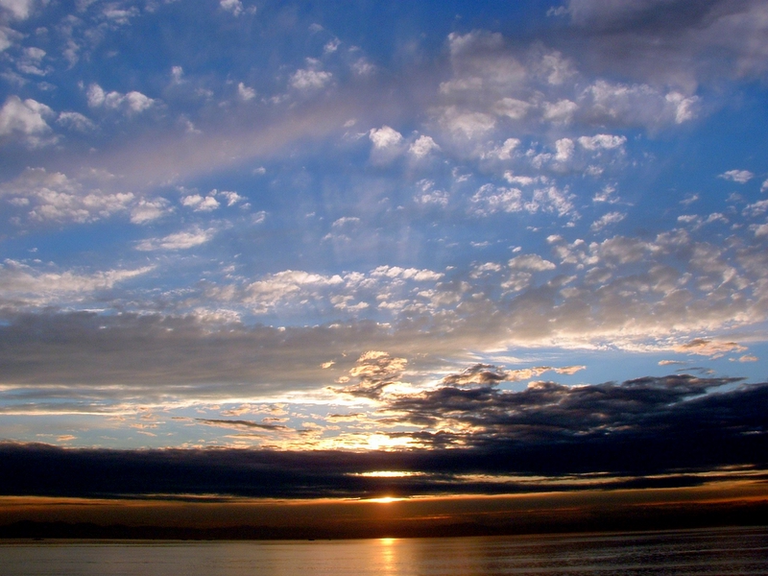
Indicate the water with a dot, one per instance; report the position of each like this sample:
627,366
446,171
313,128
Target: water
721,552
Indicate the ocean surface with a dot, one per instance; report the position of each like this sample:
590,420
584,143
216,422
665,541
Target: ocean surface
721,552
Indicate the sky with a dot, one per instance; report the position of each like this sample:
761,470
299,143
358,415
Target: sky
359,249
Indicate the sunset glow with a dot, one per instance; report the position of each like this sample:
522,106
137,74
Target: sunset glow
383,252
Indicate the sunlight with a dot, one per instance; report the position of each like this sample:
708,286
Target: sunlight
386,474
384,500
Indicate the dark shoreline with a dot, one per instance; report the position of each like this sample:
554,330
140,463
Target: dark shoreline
644,518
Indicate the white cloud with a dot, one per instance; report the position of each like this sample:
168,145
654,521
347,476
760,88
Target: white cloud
331,46
232,198
245,93
200,203
636,104
54,196
363,67
6,34
504,152
607,220
385,137
423,146
531,262
18,9
147,210
30,62
560,112
26,118
430,196
606,195
131,102
234,6
740,176
602,141
388,144
75,121
177,240
466,123
23,284
310,79
512,108
564,148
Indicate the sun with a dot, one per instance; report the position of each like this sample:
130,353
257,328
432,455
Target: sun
385,500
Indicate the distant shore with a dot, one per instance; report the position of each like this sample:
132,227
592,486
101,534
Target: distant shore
660,517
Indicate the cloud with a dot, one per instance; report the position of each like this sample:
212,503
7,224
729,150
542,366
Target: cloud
602,141
560,112
55,197
199,203
711,348
233,6
636,104
178,240
27,119
490,199
18,9
245,93
423,146
532,262
607,220
638,429
131,103
240,424
659,39
148,210
388,144
23,285
75,121
310,79
740,176
375,371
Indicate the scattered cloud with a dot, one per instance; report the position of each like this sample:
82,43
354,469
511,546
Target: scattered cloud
740,176
177,240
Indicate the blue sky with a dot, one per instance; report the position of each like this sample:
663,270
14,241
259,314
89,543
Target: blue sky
275,224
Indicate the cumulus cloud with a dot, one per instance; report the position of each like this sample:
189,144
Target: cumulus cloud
423,146
22,285
75,121
740,176
310,79
709,347
199,203
602,141
607,220
131,103
375,371
233,6
146,210
659,39
54,196
178,240
388,144
245,93
18,9
25,119
490,199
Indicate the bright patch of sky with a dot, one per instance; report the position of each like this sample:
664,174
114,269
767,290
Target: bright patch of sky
271,229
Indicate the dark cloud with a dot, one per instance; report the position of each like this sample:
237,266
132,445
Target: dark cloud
641,433
240,424
674,41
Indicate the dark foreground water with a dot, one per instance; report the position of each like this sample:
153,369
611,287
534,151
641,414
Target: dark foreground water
721,552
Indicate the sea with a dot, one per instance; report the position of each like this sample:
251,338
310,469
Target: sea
720,552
